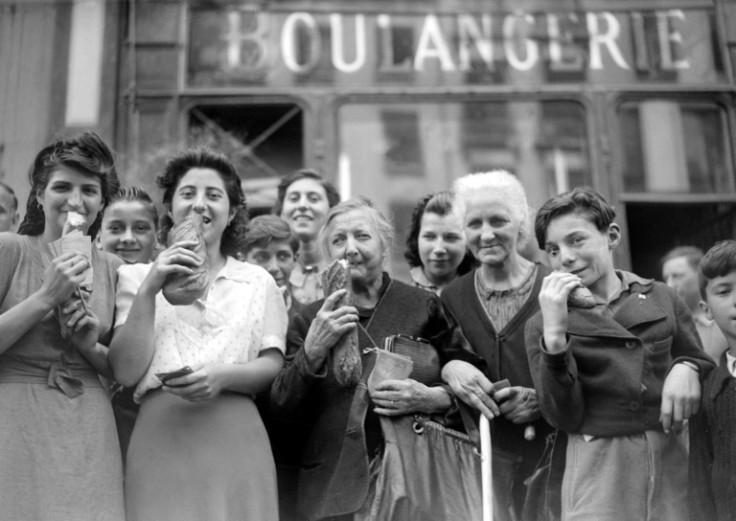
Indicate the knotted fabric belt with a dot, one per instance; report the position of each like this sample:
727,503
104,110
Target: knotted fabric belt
67,377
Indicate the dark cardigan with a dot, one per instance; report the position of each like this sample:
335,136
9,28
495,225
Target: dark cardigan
712,490
501,354
334,476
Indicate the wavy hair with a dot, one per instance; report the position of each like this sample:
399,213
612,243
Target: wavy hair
85,152
204,157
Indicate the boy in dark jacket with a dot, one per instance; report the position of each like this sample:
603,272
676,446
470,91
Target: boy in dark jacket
713,431
619,376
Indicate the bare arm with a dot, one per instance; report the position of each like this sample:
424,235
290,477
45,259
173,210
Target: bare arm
62,276
132,346
131,349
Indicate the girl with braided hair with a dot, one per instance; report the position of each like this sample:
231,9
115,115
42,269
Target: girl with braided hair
59,458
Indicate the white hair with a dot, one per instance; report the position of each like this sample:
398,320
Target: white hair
498,184
382,226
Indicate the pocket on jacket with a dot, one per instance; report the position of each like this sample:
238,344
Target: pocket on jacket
662,346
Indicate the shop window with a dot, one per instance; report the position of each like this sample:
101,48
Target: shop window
264,142
675,146
398,152
395,153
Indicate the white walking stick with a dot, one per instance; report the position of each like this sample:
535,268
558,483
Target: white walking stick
486,468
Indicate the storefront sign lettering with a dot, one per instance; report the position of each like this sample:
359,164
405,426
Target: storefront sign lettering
254,44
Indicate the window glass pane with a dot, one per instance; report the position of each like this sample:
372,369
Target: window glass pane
395,153
264,142
672,146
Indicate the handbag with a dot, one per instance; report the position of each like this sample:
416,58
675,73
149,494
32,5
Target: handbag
428,472
424,356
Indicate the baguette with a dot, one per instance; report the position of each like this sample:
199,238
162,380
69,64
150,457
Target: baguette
581,297
346,363
182,290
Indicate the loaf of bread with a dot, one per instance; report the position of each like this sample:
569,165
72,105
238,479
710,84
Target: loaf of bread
581,297
346,363
182,290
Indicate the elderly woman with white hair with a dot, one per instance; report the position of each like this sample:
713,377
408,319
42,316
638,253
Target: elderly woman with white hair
492,304
336,479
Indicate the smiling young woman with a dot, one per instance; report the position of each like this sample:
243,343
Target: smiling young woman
303,201
58,451
436,249
202,427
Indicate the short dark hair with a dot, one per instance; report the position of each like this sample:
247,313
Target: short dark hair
692,255
11,192
85,152
583,200
205,157
136,194
264,229
333,197
439,203
719,261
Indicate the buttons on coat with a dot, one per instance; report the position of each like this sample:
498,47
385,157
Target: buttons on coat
634,406
630,344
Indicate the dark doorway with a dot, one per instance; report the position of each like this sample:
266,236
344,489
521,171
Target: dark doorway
656,228
264,142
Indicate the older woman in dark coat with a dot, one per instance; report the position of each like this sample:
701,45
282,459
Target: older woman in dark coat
335,481
492,305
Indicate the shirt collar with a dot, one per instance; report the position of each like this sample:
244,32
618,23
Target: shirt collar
524,287
234,270
627,279
420,279
731,363
300,273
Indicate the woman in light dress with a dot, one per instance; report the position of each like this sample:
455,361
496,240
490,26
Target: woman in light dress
199,449
59,455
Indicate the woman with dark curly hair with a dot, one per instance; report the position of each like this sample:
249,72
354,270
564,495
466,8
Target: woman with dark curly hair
59,457
436,248
199,449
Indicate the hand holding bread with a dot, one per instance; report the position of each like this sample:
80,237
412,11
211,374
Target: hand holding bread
75,246
182,289
346,363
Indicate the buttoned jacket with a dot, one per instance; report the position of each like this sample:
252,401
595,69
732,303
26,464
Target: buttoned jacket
712,490
608,381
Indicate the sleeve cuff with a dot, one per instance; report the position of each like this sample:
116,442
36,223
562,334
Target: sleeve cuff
704,366
555,360
303,367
